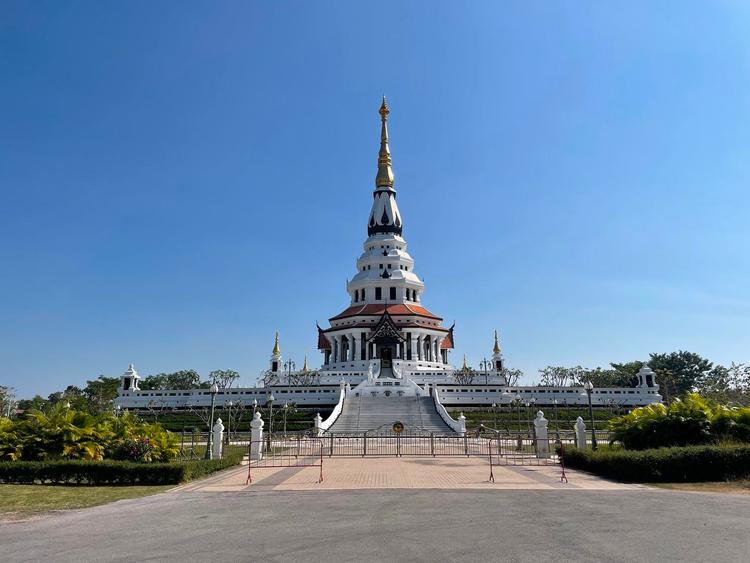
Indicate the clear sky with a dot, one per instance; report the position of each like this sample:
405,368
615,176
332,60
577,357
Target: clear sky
178,180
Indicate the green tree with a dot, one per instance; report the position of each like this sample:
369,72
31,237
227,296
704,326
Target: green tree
38,403
625,373
224,378
679,373
7,401
183,379
100,393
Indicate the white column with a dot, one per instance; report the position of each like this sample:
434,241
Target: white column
355,346
580,433
419,346
439,355
218,439
541,439
256,437
317,421
337,348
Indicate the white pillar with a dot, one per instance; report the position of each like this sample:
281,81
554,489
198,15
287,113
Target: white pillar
541,438
317,421
462,424
419,346
256,437
580,433
218,439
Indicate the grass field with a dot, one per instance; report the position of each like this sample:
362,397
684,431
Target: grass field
18,502
741,486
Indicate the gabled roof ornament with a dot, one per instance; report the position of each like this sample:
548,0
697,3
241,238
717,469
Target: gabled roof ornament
276,348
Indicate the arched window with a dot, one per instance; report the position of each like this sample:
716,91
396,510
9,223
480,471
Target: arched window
363,294
378,294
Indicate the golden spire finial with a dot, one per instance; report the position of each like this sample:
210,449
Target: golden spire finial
384,179
305,369
496,347
276,349
466,366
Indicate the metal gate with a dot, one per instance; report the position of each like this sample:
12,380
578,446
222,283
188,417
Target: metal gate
302,452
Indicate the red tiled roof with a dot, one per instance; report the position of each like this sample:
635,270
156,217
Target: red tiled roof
323,343
378,309
447,341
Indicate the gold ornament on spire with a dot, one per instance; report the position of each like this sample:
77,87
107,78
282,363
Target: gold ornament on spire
305,369
496,347
466,366
384,179
276,349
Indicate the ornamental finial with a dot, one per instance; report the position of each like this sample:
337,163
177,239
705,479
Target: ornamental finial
496,347
276,348
466,366
384,179
305,369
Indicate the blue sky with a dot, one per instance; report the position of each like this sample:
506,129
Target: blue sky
181,179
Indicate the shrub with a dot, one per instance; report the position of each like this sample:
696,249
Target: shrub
693,420
64,433
676,464
110,472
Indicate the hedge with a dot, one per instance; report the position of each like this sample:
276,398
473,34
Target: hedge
679,464
110,472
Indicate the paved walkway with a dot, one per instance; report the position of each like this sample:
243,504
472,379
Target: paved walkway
341,473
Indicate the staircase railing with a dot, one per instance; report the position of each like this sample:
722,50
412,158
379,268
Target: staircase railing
326,424
454,425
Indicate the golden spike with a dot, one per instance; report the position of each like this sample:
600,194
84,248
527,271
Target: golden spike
276,349
305,369
384,179
466,366
496,347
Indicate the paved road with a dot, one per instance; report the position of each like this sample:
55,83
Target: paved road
394,525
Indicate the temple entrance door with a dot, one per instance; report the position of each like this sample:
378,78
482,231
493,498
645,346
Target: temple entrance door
386,355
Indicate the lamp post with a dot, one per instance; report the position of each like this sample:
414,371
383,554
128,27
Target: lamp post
290,366
526,412
485,364
517,400
229,423
270,419
286,409
255,406
557,418
589,387
494,415
118,408
214,390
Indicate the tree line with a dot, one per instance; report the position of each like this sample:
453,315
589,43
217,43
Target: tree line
99,394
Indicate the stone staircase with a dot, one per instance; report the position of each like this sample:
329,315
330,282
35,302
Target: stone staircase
363,414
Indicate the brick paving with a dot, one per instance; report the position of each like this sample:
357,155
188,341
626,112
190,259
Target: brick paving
455,473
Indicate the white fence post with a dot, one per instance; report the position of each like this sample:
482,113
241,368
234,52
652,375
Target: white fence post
580,433
256,437
218,440
462,424
541,439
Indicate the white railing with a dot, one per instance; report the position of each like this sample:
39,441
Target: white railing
328,422
455,425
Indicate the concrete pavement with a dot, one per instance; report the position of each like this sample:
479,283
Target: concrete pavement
394,525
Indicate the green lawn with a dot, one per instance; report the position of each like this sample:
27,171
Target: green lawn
740,486
20,501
